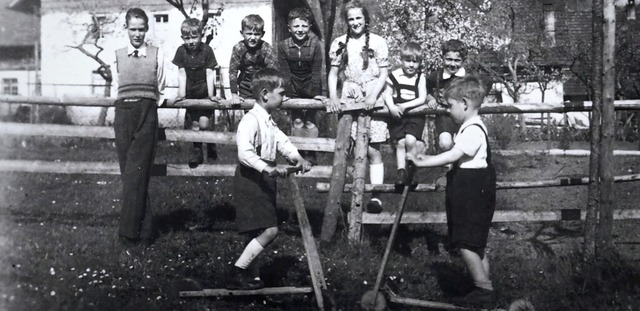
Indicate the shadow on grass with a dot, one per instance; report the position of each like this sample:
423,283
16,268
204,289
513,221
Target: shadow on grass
452,279
185,219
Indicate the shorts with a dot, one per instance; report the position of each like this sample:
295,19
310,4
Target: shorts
412,125
445,124
254,197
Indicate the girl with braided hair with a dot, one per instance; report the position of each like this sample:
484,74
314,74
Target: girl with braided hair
359,61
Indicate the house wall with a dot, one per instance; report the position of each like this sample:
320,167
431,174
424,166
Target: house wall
26,86
68,72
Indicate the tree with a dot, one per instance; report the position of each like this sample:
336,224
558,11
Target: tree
207,30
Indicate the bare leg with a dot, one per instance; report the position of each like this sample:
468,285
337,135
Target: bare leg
477,268
401,154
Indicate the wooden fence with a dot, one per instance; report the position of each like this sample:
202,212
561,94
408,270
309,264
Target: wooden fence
339,146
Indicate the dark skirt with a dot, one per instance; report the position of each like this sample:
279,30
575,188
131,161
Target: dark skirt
413,125
470,202
254,197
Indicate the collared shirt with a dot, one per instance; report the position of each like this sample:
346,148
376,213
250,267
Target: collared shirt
302,62
258,138
460,73
142,52
473,143
245,60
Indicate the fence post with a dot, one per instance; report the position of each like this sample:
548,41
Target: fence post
359,179
333,208
593,201
604,244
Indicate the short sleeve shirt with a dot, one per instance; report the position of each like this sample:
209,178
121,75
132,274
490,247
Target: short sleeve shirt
472,141
196,64
378,57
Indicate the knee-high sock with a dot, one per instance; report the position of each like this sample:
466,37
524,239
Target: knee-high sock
251,251
376,173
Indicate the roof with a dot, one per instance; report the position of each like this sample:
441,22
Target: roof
18,28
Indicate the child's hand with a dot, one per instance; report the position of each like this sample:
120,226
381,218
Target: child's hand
334,105
179,98
306,165
370,102
274,171
236,100
395,112
215,98
432,103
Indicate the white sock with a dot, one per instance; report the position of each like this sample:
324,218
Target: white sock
376,173
250,252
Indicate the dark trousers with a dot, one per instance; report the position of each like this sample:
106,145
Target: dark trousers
135,126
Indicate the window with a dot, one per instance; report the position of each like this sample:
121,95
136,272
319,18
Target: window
162,18
10,86
549,24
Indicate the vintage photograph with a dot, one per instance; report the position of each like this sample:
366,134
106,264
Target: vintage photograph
319,155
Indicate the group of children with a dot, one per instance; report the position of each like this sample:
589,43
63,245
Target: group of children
359,64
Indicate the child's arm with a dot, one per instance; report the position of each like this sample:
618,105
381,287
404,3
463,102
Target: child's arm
316,67
161,76
394,111
334,103
245,139
234,65
182,84
290,152
371,98
444,158
270,60
211,65
422,96
284,65
211,76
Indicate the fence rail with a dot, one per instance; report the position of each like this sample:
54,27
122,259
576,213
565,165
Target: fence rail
301,103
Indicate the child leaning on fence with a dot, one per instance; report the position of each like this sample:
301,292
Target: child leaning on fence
301,63
196,80
140,79
254,183
471,186
361,58
248,56
407,89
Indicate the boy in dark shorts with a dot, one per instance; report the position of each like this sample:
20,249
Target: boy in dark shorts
408,90
254,183
301,63
471,186
248,56
196,63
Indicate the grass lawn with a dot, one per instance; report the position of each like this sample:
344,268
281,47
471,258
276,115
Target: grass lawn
57,237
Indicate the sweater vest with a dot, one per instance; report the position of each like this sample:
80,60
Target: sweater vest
138,76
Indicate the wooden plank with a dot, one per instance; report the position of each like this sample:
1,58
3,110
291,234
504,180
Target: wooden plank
112,168
360,170
503,185
222,292
499,216
225,138
313,259
302,103
333,207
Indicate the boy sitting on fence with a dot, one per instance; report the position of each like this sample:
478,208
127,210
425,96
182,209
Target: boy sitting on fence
254,184
301,63
471,186
408,90
247,57
196,63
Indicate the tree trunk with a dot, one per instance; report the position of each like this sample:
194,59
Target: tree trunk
604,232
102,117
359,179
593,201
333,208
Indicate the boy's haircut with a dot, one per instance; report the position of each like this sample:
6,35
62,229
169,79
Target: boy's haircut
136,13
455,46
253,22
266,79
301,14
190,27
411,51
470,87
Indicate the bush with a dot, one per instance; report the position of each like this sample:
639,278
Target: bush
502,128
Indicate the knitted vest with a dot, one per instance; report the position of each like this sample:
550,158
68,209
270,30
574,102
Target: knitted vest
137,76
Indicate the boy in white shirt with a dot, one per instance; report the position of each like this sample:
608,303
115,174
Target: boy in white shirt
471,186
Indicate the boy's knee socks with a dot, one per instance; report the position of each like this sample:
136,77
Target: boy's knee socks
251,251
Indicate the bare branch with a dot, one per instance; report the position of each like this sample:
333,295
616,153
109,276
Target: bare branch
179,4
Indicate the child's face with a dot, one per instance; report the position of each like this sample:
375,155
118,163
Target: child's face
452,62
410,66
192,41
356,21
252,36
299,29
457,109
137,30
273,100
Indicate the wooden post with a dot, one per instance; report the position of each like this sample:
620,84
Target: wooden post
359,179
593,201
333,208
604,232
